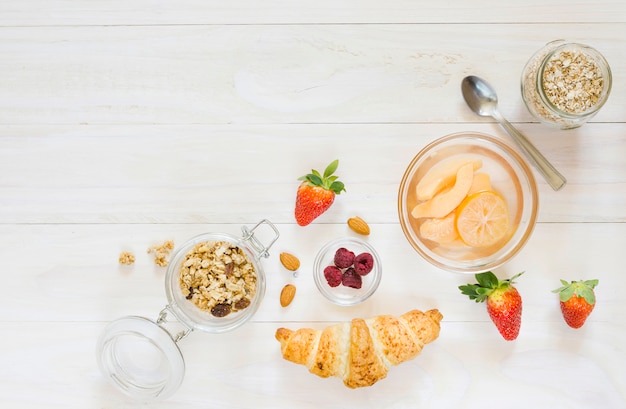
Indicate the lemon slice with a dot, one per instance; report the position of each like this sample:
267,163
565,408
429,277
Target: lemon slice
482,219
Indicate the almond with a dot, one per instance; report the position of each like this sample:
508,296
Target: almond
289,261
287,294
358,225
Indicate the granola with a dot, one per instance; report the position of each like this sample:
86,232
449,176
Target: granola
162,252
218,277
126,258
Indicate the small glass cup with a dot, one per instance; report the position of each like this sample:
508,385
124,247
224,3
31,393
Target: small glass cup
342,295
565,84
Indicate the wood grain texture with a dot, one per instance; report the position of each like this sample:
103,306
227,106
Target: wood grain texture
239,173
275,74
186,12
127,123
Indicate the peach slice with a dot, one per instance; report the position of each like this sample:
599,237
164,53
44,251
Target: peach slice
440,230
481,183
443,203
442,175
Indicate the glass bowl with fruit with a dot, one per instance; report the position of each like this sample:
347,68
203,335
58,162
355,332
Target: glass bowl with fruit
347,271
467,202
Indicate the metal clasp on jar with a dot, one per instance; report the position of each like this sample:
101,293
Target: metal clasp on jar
162,320
261,249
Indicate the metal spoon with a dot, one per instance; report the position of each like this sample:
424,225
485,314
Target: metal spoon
482,99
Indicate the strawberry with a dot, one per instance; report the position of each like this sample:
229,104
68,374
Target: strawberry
316,193
504,303
577,300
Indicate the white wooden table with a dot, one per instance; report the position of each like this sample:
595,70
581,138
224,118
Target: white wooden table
127,123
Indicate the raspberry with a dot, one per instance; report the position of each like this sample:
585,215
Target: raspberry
344,258
333,276
350,278
363,263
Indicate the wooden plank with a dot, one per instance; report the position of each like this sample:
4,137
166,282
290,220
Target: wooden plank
70,273
149,12
277,73
460,367
239,173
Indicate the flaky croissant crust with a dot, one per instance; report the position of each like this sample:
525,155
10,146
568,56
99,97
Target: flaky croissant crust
360,352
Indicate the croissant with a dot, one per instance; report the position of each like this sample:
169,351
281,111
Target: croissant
360,352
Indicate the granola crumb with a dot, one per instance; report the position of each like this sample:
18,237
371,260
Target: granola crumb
162,252
126,258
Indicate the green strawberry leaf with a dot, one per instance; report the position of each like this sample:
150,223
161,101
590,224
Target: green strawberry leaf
331,168
474,292
469,290
328,181
315,180
589,296
563,287
579,289
566,293
487,279
516,276
337,187
487,283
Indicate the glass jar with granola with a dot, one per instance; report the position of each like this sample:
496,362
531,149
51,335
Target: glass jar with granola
214,283
565,84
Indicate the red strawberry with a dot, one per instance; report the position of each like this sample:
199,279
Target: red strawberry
504,303
577,300
316,193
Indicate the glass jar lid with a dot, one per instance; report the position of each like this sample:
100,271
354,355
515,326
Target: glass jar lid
140,358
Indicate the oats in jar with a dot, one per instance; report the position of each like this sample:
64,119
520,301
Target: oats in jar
218,277
566,84
572,81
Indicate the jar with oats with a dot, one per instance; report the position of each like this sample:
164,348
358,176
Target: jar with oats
565,84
